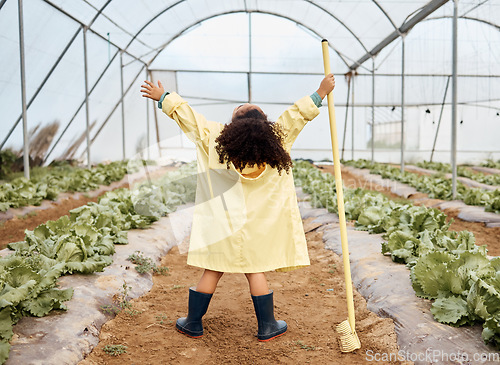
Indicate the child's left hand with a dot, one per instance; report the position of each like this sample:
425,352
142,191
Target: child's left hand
327,85
151,91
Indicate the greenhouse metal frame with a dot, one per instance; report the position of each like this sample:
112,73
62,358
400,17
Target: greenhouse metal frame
135,49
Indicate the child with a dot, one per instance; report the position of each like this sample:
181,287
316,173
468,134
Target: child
246,217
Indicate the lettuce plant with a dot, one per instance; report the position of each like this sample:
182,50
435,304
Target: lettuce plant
446,267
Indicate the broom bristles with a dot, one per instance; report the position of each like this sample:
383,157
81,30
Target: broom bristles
348,340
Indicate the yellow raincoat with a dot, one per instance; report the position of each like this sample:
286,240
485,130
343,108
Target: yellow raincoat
249,221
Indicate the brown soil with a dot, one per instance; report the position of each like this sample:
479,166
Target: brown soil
13,229
352,181
302,299
484,235
311,300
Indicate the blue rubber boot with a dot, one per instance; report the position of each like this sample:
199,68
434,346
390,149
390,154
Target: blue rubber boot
192,325
269,328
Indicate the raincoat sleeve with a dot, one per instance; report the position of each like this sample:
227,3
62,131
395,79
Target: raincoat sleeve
295,118
193,124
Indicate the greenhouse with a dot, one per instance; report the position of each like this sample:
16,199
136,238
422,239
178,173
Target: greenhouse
402,158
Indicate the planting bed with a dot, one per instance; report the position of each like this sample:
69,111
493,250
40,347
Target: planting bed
486,231
311,300
15,221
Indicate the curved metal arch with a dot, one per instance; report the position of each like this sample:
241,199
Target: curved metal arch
99,13
165,45
64,12
428,9
152,20
466,18
248,11
54,66
385,13
338,20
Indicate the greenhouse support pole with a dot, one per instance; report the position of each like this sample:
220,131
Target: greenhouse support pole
118,103
26,151
403,103
122,104
54,145
147,122
352,116
86,76
349,76
47,76
454,103
373,109
440,116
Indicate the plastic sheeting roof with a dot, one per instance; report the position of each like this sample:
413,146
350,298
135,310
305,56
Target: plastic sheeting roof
144,27
147,32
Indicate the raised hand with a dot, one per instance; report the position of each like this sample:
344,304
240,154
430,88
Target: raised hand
149,90
326,86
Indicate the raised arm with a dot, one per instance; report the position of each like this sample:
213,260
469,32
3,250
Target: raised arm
293,120
193,124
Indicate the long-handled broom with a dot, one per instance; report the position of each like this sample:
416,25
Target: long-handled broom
349,340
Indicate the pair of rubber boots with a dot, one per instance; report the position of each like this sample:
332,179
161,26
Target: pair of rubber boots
269,328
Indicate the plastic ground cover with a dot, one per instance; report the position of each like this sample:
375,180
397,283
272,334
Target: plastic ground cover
48,204
66,337
387,288
464,180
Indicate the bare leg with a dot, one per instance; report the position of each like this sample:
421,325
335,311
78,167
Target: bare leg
257,283
208,281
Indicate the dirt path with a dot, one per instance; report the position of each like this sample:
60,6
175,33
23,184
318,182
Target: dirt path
311,300
489,236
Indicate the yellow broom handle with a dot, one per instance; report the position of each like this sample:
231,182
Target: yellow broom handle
340,194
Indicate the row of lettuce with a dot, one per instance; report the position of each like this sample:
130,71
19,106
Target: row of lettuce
464,171
82,242
436,186
48,182
445,266
491,164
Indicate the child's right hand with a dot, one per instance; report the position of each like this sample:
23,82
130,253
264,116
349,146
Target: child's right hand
326,86
151,91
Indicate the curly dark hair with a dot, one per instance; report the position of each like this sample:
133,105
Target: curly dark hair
251,139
